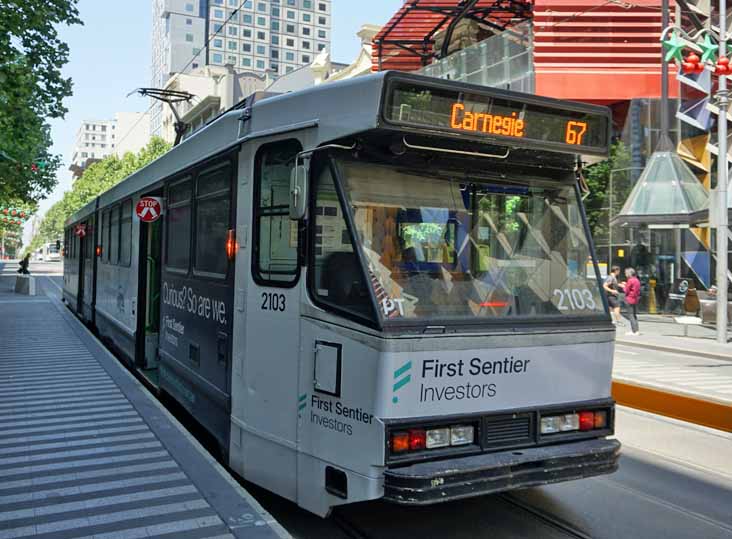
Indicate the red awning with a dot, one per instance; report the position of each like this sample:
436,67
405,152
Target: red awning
406,42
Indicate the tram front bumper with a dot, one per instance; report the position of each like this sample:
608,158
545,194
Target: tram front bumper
438,481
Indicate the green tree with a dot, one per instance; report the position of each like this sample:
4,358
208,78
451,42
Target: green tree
96,179
598,176
32,91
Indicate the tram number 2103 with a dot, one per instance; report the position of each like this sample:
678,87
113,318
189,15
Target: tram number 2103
575,299
272,301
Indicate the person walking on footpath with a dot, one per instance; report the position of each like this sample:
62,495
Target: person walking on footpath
610,285
632,290
24,265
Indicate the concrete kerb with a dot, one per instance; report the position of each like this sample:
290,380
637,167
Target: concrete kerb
675,350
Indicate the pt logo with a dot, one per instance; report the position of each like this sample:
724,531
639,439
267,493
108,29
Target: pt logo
401,378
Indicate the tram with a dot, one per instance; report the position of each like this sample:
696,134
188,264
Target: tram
376,288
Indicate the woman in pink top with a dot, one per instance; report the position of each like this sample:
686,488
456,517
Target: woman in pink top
632,290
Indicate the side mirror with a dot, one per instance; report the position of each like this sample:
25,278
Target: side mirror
299,190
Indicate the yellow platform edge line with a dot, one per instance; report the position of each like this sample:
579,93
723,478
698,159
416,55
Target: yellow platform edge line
690,409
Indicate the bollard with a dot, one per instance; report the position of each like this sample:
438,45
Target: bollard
25,284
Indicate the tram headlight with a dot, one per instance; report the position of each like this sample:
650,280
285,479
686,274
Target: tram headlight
550,425
462,435
438,438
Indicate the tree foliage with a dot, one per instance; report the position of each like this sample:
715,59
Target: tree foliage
32,91
598,178
96,179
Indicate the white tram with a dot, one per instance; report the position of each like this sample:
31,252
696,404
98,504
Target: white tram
378,288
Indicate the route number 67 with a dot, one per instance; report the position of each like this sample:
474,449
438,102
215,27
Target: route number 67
575,299
575,132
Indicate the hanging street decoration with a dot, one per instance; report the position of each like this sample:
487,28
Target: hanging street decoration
674,47
692,62
709,49
13,216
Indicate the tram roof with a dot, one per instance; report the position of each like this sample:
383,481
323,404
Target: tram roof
339,109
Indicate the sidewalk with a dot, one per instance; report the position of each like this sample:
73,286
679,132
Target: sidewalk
86,451
660,332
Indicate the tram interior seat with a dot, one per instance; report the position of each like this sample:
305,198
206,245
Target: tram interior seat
342,278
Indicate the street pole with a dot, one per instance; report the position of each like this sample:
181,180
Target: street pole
722,97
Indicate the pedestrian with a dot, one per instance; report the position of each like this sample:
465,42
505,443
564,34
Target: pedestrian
610,285
24,265
632,289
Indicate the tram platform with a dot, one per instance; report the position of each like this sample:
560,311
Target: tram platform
86,451
664,372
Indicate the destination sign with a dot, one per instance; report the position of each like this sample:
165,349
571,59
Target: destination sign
492,115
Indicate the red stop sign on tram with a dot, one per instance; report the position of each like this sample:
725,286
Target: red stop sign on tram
149,209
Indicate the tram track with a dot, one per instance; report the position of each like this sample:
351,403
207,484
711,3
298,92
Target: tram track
546,518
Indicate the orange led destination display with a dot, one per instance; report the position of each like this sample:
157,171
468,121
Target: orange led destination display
537,122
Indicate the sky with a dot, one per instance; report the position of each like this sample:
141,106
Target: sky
110,57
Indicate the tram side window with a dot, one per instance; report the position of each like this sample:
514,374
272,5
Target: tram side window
213,209
337,276
105,236
178,245
275,260
114,235
125,240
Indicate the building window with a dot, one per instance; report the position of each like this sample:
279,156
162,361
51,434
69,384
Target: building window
305,58
261,21
274,67
217,28
246,18
305,31
247,62
321,46
275,26
306,17
275,40
246,47
233,31
218,58
274,53
246,32
189,38
218,2
321,34
322,20
189,8
261,50
307,4
275,257
196,52
322,7
290,14
262,7
290,56
261,36
289,69
194,65
219,13
260,64
290,42
306,45
275,12
189,22
178,246
219,43
290,28
232,45
291,3
231,60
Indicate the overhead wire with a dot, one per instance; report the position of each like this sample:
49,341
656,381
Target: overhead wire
193,58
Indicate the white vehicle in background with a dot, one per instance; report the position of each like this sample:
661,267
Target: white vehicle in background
49,252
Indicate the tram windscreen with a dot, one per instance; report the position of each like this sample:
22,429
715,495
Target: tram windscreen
441,248
498,117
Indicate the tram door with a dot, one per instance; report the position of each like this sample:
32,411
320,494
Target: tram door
148,322
86,258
